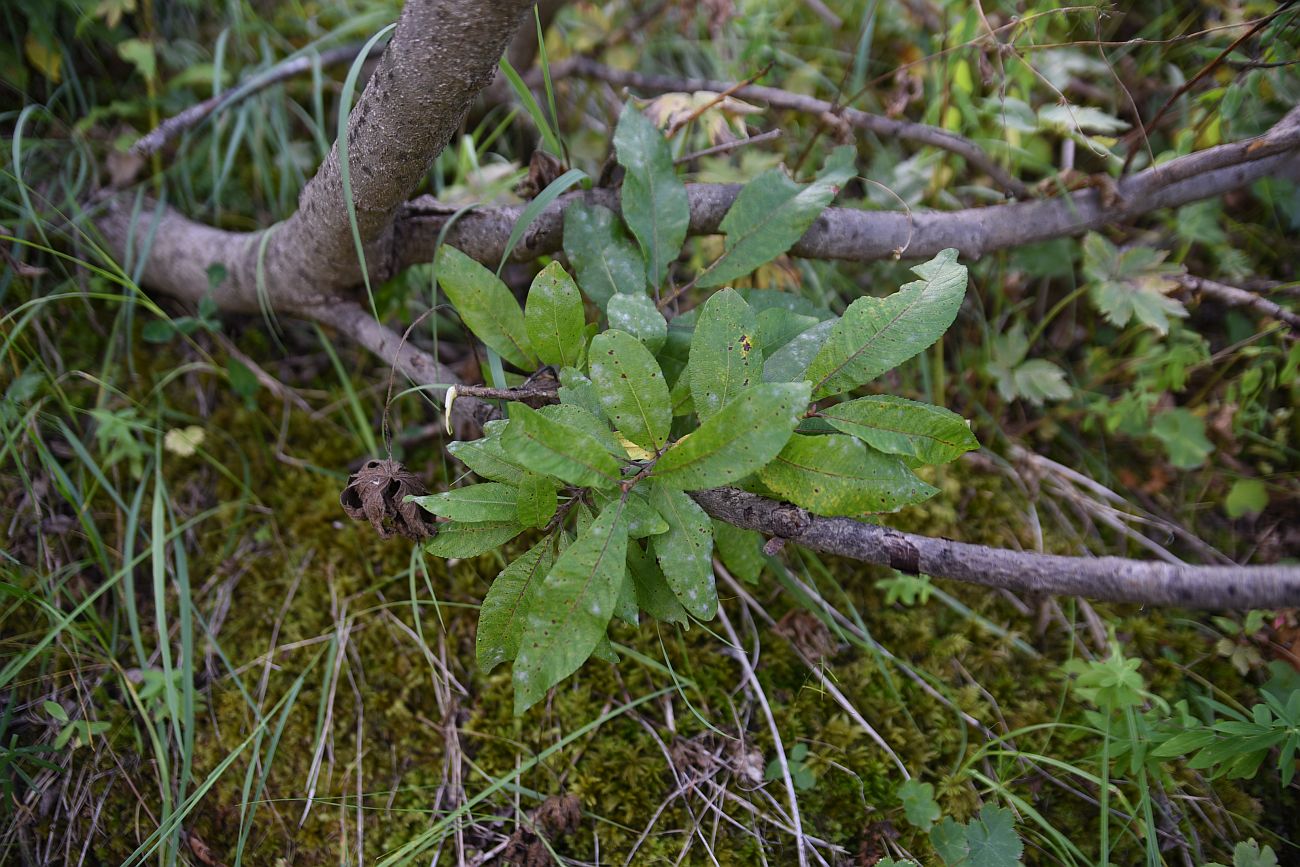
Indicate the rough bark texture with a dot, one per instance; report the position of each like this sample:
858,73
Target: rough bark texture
441,55
1113,579
862,236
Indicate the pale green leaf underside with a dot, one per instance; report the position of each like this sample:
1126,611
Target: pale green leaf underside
486,457
491,501
638,316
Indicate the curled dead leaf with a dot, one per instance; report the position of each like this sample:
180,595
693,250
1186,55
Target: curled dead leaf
377,493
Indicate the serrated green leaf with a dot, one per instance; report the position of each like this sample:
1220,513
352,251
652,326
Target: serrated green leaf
790,362
572,609
535,500
554,318
506,605
877,334
654,200
1183,435
918,804
749,431
653,594
740,550
456,539
556,449
491,501
992,840
638,316
949,839
486,457
486,306
771,213
685,552
725,357
632,390
605,258
1249,854
837,475
897,426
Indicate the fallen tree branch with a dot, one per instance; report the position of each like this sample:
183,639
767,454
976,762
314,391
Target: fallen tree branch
864,236
1113,579
158,138
880,125
1235,297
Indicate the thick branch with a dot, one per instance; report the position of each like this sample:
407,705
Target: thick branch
863,236
1113,579
441,55
885,127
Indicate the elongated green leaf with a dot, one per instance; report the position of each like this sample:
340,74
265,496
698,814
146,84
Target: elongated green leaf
653,594
897,426
587,422
554,318
486,306
506,605
837,475
535,502
878,334
725,357
576,390
789,362
740,550
638,316
455,539
771,213
777,327
626,608
486,457
642,519
572,609
487,502
685,552
745,435
606,259
654,198
556,449
631,388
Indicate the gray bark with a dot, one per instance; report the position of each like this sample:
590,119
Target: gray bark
1113,579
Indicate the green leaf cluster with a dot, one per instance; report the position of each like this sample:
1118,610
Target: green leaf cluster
649,411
